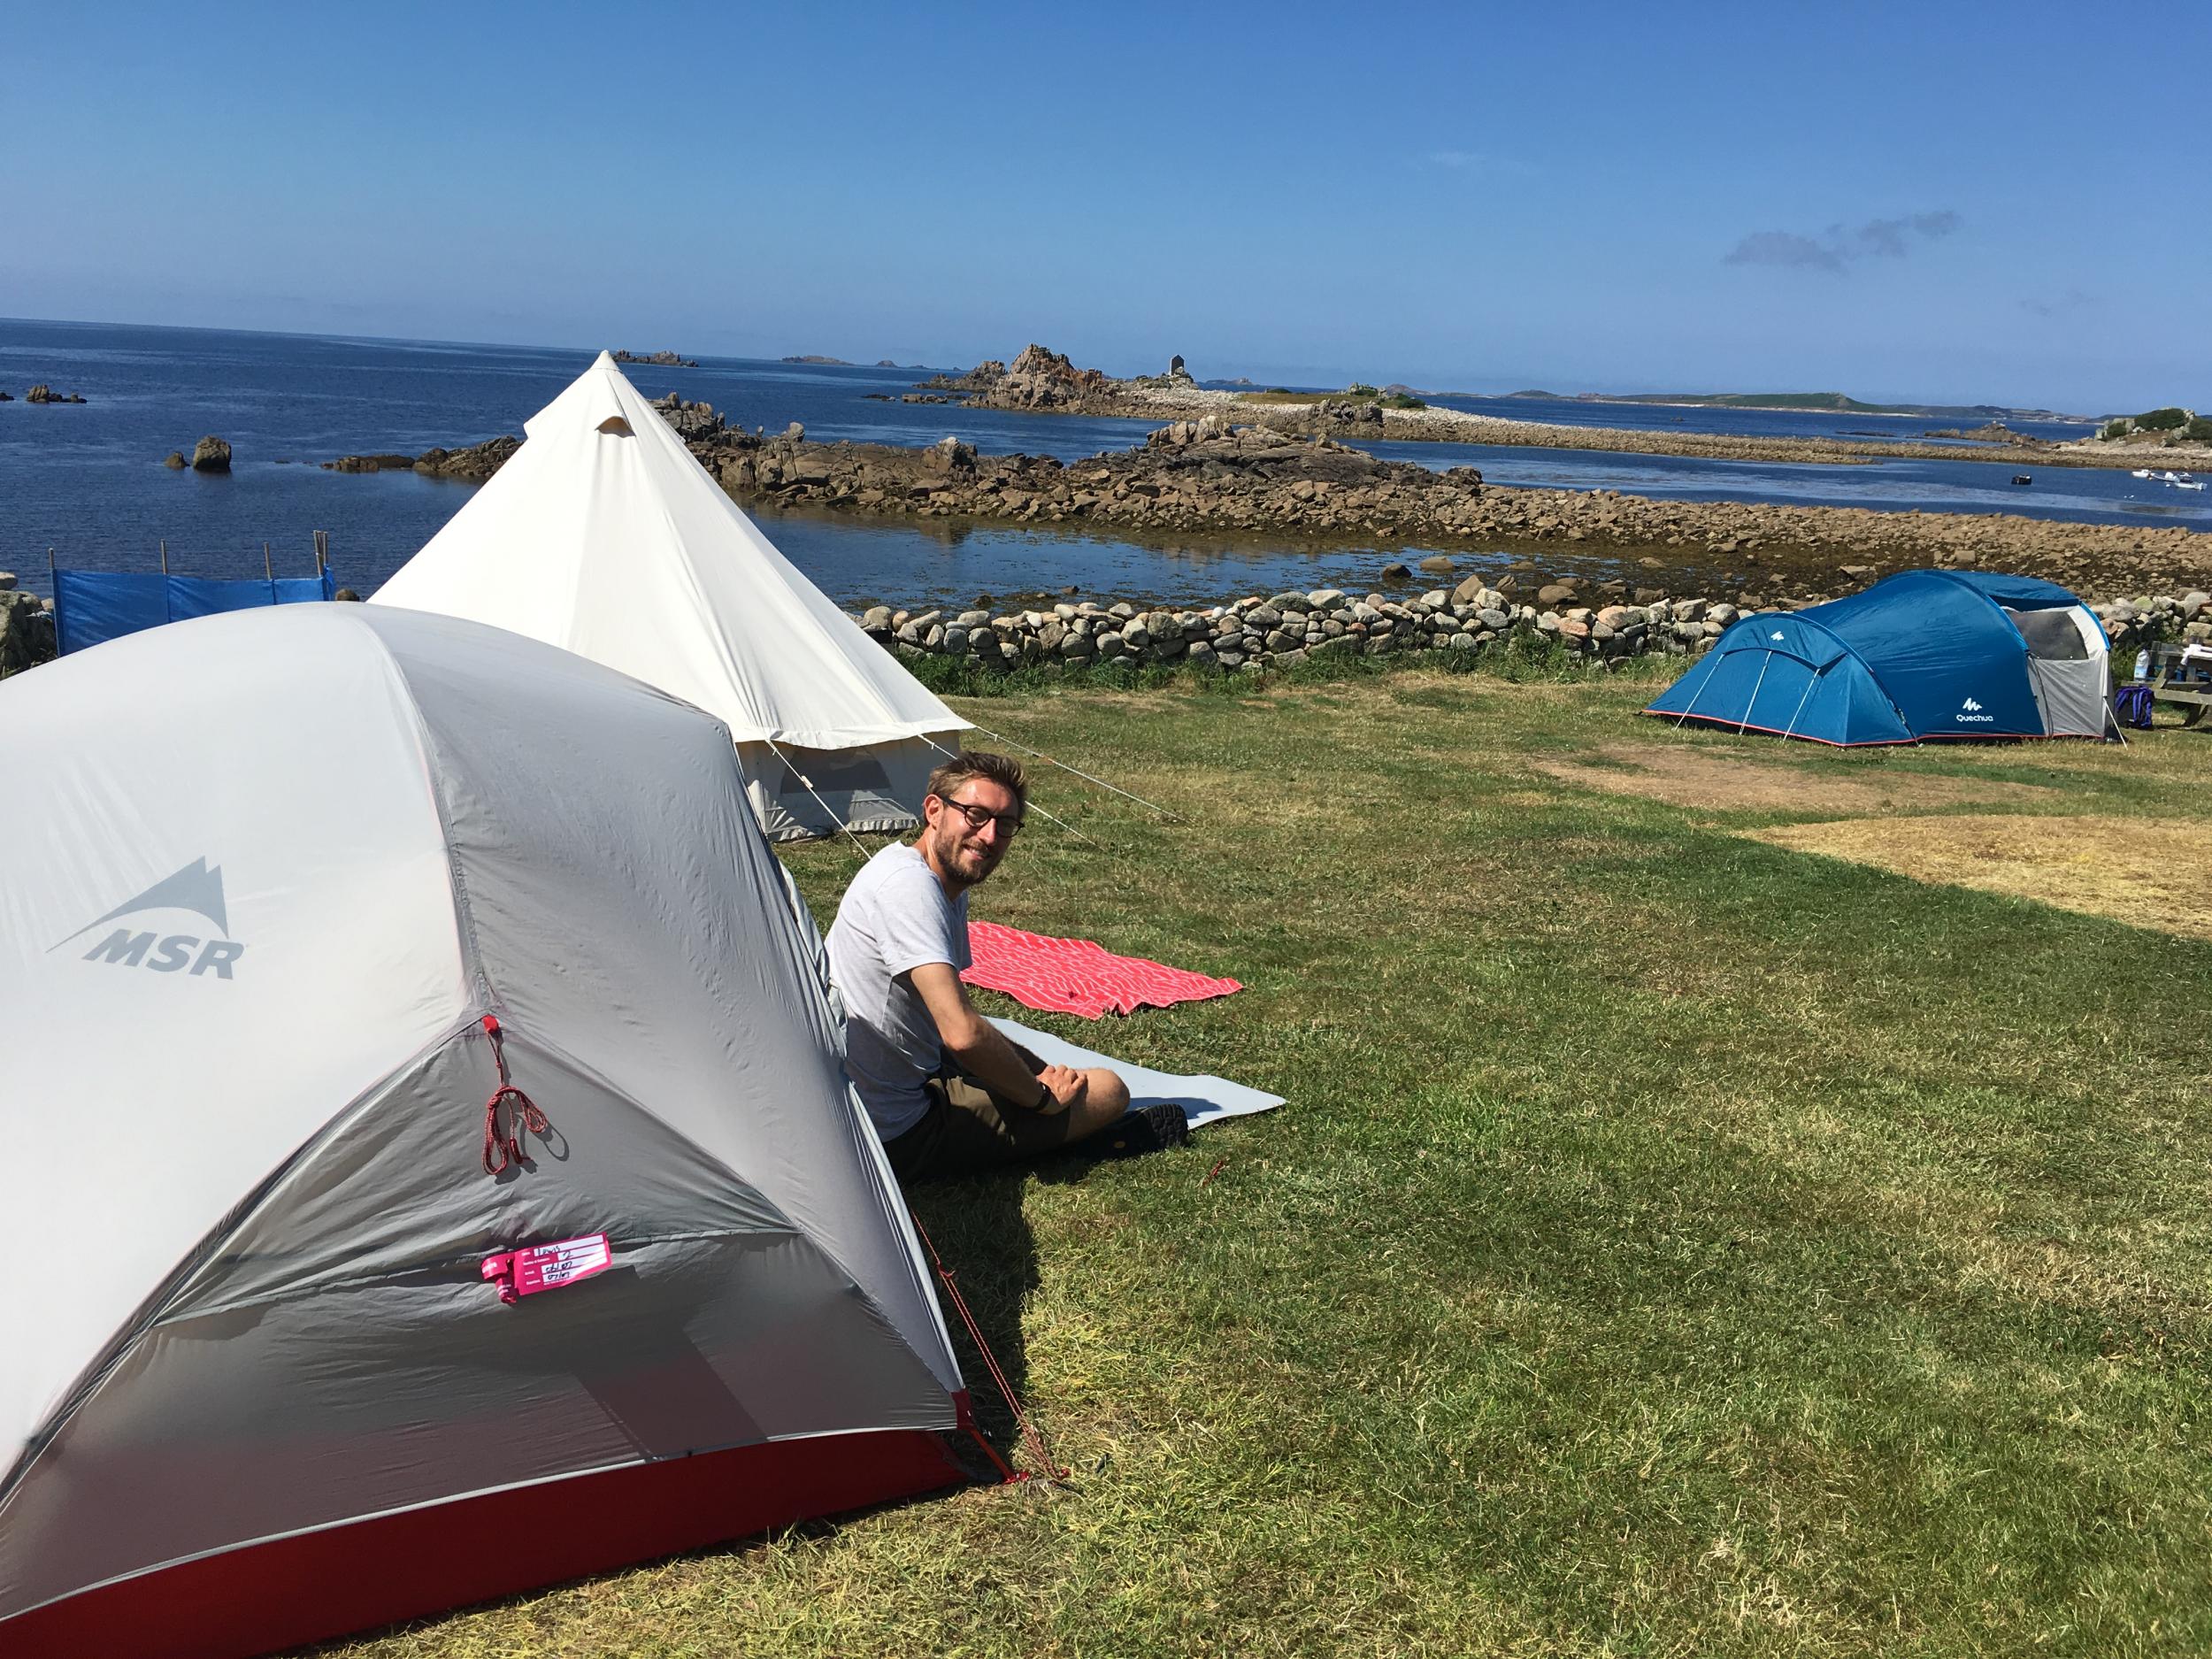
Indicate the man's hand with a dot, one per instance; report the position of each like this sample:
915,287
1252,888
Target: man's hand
1064,1086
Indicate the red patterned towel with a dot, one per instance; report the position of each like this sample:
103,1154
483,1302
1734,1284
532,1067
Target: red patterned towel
1077,976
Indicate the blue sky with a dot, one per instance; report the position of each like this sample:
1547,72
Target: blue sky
1960,202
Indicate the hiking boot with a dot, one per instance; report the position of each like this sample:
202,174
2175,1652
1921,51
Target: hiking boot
1154,1128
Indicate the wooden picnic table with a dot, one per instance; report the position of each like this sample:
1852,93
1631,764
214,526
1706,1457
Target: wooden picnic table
2180,675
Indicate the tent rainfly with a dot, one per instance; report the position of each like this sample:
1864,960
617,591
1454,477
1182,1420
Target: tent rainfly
604,536
261,1381
1920,656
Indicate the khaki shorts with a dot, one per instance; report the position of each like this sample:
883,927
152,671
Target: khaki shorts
969,1127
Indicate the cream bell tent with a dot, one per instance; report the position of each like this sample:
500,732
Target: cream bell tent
602,535
294,1340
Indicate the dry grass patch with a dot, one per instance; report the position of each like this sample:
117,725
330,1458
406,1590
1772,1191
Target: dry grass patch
1724,780
2144,872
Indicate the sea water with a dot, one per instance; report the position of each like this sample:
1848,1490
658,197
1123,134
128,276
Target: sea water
87,480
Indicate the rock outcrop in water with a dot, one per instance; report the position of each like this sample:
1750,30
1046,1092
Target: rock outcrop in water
471,466
1043,382
210,454
1038,380
658,359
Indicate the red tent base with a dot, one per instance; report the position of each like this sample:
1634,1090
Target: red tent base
267,1597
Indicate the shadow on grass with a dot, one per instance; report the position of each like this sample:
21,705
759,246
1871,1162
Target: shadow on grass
984,1241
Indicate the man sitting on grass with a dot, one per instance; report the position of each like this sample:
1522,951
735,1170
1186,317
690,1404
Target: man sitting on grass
947,1093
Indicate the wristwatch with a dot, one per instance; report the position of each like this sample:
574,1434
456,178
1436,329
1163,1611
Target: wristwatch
1044,1097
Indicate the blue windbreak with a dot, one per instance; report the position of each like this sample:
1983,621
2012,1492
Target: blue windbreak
92,607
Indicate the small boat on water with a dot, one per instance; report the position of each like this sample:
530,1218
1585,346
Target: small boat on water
2022,478
2142,472
2181,481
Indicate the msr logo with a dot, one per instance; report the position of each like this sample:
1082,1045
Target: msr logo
195,889
1973,712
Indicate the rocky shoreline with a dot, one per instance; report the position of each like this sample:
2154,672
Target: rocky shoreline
1211,477
1254,635
1043,382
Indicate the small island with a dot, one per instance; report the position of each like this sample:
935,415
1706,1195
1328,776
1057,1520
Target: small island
822,361
657,359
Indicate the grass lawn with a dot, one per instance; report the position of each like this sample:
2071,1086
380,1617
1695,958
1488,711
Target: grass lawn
1676,1242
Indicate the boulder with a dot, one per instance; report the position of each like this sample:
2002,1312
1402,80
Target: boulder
1437,564
692,421
174,461
211,455
949,455
27,633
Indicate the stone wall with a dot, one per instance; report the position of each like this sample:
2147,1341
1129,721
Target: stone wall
1254,634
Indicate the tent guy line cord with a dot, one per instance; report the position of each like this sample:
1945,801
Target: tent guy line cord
1048,814
836,818
1031,1434
997,737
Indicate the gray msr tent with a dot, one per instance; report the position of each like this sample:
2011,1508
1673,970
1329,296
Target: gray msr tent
275,1366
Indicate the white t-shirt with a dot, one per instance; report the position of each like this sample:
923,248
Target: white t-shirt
894,917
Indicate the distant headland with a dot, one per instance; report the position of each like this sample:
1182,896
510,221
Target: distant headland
1825,403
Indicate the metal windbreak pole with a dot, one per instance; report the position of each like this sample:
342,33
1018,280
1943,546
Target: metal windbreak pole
165,558
268,568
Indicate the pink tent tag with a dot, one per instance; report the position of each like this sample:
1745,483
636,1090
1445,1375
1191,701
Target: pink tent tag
520,1273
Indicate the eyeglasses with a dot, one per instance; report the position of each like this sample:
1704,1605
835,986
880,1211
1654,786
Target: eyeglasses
977,817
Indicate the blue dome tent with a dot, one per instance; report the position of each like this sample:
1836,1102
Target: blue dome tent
1919,655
